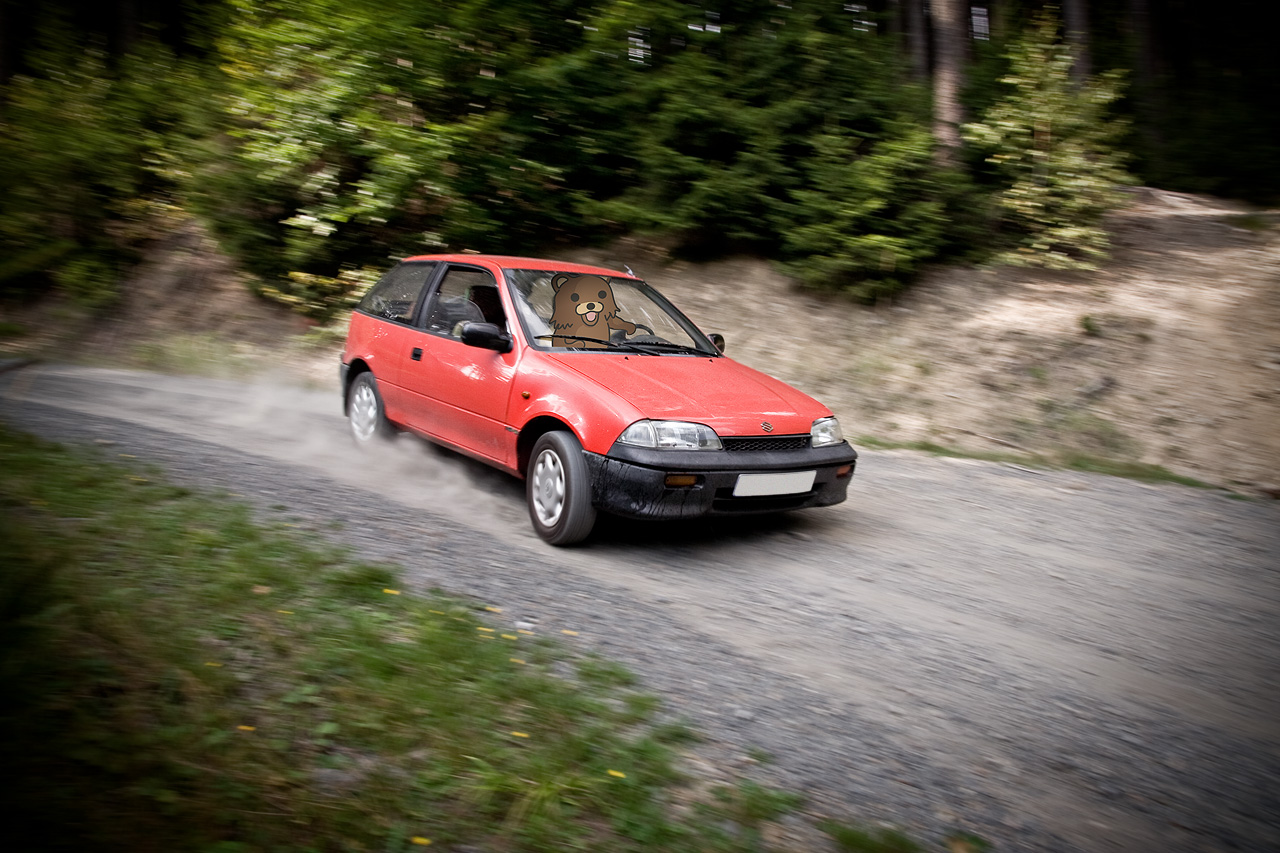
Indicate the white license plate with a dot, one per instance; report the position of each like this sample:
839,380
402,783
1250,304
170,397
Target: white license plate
755,485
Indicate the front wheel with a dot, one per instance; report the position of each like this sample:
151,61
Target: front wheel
558,488
365,412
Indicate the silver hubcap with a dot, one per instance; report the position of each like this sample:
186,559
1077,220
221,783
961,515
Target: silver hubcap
548,488
364,412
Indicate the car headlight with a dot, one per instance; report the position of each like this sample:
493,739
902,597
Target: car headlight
825,432
670,435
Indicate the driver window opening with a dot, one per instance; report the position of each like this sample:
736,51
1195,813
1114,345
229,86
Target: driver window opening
465,296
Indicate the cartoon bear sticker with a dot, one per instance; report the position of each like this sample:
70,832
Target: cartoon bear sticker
584,312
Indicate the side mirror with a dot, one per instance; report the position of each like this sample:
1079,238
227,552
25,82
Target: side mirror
718,340
486,336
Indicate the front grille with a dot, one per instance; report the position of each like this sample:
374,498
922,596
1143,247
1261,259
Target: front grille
772,442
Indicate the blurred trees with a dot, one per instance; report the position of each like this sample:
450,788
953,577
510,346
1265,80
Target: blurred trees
322,137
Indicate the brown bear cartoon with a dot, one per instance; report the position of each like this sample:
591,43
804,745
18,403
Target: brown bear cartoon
584,312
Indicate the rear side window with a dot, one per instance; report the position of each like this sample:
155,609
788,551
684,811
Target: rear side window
397,293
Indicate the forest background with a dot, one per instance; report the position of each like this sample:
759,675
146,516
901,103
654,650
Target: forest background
852,143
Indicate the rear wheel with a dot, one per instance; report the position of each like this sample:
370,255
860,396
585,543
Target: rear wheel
365,413
558,488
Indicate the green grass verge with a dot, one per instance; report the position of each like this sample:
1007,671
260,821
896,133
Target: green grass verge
177,676
1069,460
942,450
1129,470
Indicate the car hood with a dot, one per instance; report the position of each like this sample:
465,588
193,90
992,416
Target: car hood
727,396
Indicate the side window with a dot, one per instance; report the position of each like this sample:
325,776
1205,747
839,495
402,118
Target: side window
466,295
394,296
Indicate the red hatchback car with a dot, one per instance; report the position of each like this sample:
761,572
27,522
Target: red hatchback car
590,385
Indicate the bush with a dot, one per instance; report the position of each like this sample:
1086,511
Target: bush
1054,151
83,145
870,220
322,297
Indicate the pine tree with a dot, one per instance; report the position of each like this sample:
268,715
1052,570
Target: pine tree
1054,147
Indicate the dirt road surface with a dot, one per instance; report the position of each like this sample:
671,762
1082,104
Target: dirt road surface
1051,660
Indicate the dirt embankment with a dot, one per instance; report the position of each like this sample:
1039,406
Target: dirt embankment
1169,355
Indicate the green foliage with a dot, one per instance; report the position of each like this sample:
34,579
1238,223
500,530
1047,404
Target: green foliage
81,144
361,131
321,297
871,219
1054,151
379,131
320,138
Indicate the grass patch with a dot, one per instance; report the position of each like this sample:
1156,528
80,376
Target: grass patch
177,676
1069,460
323,337
1250,221
1142,471
942,450
856,839
194,355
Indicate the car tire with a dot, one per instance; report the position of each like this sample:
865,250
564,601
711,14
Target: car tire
558,489
365,413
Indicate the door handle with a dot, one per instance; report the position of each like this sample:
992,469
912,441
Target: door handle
416,355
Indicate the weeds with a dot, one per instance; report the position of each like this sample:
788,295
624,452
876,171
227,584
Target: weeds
854,839
194,355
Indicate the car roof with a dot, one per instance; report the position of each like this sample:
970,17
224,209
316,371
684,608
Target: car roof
513,262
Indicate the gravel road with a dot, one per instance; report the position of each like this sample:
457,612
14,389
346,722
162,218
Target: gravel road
1052,660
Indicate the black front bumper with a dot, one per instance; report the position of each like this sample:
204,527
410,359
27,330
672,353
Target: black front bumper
632,482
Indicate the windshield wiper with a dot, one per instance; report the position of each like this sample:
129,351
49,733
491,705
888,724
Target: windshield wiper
668,346
623,346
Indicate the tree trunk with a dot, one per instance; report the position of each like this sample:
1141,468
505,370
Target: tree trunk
1076,22
1146,92
917,38
5,73
126,33
950,31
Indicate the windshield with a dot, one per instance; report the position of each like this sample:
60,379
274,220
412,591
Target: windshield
573,311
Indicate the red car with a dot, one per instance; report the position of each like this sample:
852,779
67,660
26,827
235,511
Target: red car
590,385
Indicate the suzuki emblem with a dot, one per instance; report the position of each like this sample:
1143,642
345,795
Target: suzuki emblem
766,426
